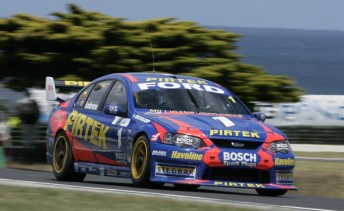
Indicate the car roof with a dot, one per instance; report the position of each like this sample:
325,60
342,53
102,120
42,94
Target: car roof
142,77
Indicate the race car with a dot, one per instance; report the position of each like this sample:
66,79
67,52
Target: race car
162,128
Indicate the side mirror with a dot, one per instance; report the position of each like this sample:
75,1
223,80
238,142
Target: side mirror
260,116
113,110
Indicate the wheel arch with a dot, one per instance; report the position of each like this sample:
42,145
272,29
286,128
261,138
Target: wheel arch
67,133
138,135
69,136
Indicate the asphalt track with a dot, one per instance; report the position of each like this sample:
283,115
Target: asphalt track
215,195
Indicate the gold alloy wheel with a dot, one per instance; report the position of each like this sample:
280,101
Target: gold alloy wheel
60,154
139,159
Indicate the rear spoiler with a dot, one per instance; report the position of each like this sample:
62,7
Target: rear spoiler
51,84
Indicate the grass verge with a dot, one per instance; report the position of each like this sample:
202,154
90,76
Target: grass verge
30,166
22,198
314,178
320,154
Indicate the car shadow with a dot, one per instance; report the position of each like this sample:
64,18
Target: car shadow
166,187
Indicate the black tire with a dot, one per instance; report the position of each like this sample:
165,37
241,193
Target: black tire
186,187
140,166
264,192
63,161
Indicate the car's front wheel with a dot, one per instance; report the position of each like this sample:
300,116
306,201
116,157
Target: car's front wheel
63,161
141,162
264,192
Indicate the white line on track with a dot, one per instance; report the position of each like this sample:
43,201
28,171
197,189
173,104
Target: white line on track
260,206
320,159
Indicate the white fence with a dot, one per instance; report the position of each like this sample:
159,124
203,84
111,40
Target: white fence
316,110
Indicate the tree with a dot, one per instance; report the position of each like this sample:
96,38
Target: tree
90,44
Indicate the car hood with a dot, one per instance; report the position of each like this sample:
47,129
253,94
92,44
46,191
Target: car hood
212,126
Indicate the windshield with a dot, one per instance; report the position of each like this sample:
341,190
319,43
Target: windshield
188,100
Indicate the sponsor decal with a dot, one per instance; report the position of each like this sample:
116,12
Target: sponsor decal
184,140
101,171
282,147
216,114
239,184
111,172
239,159
155,137
121,157
113,109
177,80
92,169
186,155
284,162
159,111
120,121
87,128
82,99
175,171
239,156
159,153
91,106
76,83
172,85
283,177
235,133
141,118
237,144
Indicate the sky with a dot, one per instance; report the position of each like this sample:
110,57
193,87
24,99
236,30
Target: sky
294,14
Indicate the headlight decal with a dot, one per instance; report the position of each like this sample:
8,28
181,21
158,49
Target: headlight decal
282,146
189,130
182,140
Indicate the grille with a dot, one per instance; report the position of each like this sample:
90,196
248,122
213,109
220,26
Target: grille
239,175
223,143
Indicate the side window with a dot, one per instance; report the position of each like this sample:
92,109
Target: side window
97,94
80,102
118,96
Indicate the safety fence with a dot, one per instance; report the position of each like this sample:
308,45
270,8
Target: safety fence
27,143
314,134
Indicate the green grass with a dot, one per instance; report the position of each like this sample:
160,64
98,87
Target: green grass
320,154
21,198
314,178
30,166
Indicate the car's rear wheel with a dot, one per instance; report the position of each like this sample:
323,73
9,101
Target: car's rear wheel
141,162
63,161
186,187
264,192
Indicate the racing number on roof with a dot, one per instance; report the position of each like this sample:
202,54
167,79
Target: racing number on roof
225,121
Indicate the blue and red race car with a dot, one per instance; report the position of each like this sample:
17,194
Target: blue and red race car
162,128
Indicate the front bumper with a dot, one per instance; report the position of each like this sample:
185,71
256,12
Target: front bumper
222,167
